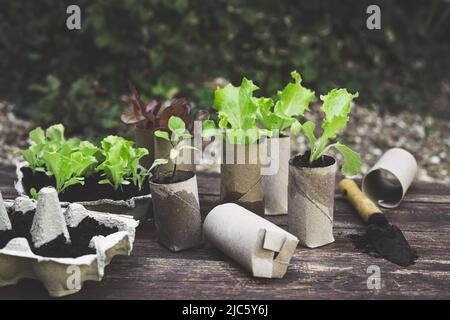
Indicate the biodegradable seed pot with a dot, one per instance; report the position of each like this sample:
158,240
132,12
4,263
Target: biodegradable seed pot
50,243
275,185
311,199
177,210
257,244
241,179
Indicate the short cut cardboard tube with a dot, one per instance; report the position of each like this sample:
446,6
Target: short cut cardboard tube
257,244
311,203
275,185
388,180
241,180
176,210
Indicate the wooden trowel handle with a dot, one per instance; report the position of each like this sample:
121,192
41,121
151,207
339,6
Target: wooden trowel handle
358,199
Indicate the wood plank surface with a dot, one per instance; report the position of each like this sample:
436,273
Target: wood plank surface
336,271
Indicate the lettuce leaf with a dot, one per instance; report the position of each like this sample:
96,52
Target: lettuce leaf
237,108
336,107
236,104
294,99
292,103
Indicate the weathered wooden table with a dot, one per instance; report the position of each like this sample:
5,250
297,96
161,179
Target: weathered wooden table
336,271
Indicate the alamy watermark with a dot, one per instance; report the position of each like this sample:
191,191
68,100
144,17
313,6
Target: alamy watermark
374,280
73,281
73,21
253,148
373,22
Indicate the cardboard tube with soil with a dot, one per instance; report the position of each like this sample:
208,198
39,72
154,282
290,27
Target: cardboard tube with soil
311,200
241,179
185,162
275,185
145,139
257,244
176,210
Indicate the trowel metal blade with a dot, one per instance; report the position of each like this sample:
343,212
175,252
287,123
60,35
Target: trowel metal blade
388,240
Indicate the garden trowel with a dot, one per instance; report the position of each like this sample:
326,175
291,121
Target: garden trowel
386,239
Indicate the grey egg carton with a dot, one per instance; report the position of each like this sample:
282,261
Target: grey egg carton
61,276
140,207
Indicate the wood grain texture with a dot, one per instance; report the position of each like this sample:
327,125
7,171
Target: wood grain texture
336,271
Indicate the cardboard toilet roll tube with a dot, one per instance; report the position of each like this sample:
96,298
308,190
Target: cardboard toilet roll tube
145,139
176,210
275,185
241,180
257,244
388,180
311,202
186,158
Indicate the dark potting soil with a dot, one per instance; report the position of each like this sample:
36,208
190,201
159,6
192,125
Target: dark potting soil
58,248
90,191
166,178
80,238
385,242
302,161
5,237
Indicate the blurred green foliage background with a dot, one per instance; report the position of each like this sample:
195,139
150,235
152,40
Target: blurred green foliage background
176,48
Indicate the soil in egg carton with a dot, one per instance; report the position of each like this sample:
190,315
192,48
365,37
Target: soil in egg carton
58,248
90,191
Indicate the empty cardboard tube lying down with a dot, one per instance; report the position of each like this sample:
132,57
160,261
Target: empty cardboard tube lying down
388,180
257,244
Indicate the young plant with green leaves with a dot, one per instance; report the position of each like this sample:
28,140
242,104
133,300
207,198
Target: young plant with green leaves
179,133
292,103
336,107
121,164
66,160
237,109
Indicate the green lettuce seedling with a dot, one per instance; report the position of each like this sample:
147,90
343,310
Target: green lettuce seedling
237,109
292,103
179,133
336,107
65,160
121,163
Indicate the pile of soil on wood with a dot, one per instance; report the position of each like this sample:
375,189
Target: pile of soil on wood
58,248
302,161
365,243
90,191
